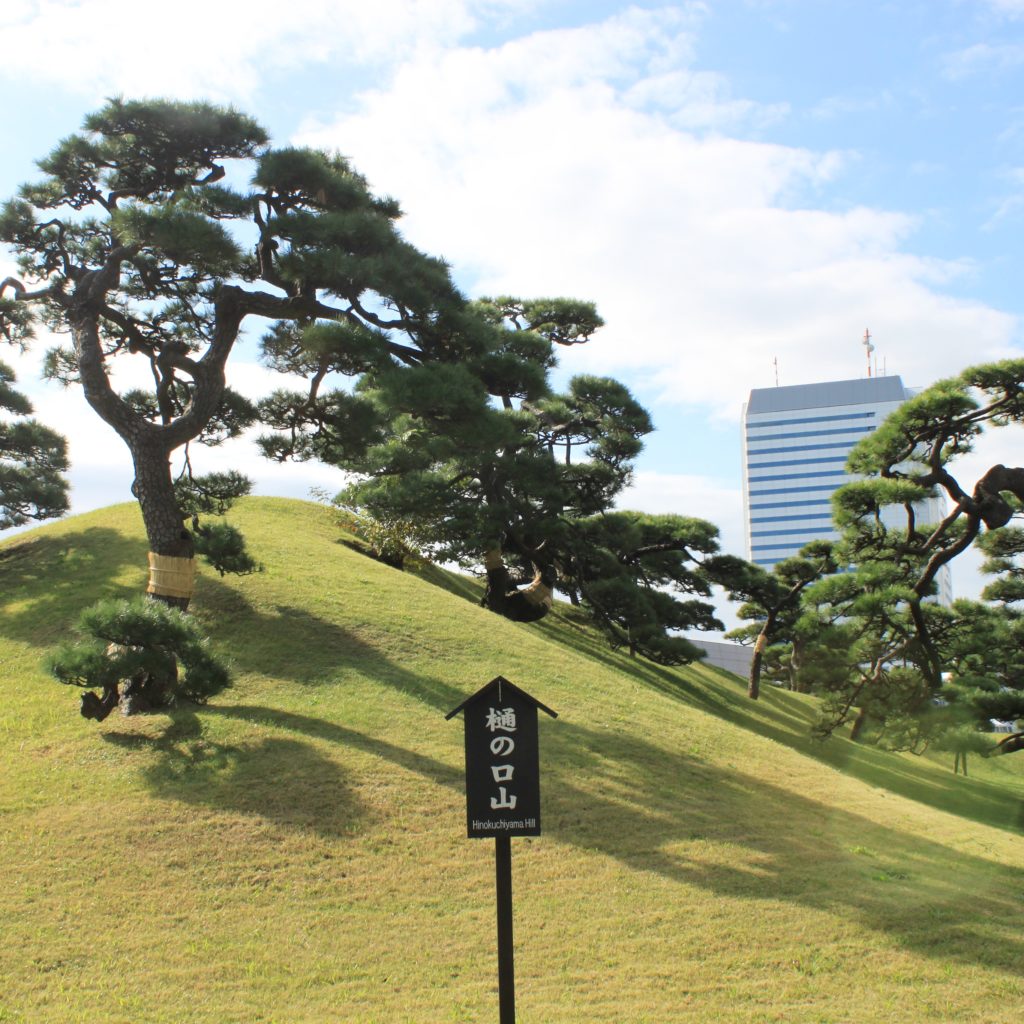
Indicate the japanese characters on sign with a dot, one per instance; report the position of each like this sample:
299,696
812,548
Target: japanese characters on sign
502,762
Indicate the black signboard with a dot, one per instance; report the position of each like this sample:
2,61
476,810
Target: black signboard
502,761
502,798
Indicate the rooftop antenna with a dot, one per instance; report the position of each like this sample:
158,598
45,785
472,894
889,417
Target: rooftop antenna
776,362
869,347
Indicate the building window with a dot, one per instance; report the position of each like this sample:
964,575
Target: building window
799,476
813,433
796,462
848,445
795,490
767,424
789,533
789,504
793,518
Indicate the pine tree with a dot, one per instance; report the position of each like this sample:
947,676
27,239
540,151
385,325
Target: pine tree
33,459
771,606
138,245
914,668
472,454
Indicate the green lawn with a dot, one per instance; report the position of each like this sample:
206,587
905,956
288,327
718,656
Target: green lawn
295,851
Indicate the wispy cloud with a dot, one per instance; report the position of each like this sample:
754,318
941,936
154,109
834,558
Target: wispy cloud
833,107
1011,202
983,58
1012,8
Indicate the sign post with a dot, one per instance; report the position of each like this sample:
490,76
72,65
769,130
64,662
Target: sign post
502,797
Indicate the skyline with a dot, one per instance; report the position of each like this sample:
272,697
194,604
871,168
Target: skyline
731,183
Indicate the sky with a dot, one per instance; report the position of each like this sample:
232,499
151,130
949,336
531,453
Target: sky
743,187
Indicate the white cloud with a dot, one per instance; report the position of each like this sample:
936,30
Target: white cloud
833,107
706,254
690,495
219,50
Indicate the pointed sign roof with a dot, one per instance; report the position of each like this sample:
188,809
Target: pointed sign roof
499,683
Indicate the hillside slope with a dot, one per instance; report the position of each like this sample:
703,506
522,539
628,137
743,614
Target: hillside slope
295,851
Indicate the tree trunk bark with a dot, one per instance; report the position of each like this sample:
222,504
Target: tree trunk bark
858,724
754,681
796,682
168,538
161,513
150,445
525,604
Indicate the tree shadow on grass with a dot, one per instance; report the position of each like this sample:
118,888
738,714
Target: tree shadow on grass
293,643
566,631
663,812
279,779
788,719
469,588
54,578
307,648
430,768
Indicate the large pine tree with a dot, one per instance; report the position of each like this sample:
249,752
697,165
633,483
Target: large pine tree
140,244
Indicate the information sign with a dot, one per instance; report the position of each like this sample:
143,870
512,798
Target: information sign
502,761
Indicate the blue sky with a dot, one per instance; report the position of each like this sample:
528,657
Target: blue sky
733,183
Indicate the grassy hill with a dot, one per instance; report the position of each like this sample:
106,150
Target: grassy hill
295,851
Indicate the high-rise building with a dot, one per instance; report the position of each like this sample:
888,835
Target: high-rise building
795,443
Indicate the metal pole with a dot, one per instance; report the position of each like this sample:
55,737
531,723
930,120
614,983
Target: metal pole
506,963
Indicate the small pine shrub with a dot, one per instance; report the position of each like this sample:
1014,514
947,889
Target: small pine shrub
142,647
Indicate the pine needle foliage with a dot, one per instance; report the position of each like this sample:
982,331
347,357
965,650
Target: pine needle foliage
33,460
121,640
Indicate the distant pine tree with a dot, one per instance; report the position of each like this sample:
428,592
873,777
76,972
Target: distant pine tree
33,460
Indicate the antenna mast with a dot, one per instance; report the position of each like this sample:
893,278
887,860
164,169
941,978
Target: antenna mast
775,361
869,348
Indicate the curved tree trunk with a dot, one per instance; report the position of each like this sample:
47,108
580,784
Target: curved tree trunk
858,724
1011,744
754,680
796,660
520,604
171,548
150,444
